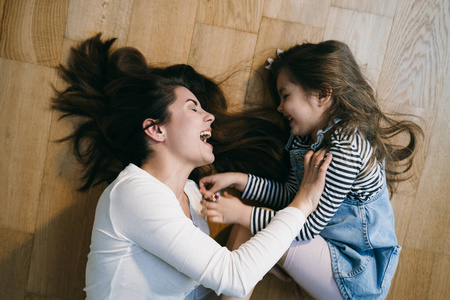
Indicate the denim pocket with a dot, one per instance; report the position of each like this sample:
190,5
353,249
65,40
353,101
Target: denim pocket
389,271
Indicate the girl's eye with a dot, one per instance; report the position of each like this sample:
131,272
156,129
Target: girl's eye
285,96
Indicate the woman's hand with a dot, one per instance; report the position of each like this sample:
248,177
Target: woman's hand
227,209
217,182
313,181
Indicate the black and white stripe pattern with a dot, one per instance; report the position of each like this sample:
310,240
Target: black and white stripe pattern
347,176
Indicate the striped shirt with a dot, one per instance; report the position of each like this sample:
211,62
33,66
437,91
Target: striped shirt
348,176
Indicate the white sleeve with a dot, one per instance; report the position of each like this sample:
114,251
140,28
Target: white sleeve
150,216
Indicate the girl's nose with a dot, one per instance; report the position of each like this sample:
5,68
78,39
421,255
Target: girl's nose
280,108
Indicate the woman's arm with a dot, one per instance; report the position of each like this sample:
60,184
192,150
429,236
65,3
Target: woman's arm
150,216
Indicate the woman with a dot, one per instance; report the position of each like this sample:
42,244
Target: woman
149,240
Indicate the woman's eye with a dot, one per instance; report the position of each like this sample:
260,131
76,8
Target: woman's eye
194,109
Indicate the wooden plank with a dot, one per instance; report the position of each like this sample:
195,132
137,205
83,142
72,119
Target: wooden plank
32,31
25,94
88,17
308,12
242,15
270,287
413,275
30,296
417,54
366,35
2,13
440,278
431,226
275,34
220,52
64,219
15,253
378,7
162,30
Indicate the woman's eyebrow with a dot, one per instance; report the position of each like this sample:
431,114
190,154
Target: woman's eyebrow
192,100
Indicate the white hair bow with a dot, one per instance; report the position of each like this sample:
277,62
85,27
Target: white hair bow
270,60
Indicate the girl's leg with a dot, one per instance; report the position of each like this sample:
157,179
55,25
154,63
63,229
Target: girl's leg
309,264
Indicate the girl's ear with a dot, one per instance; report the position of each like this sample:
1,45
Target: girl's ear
325,94
153,130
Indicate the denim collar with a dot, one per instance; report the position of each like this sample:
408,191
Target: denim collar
296,141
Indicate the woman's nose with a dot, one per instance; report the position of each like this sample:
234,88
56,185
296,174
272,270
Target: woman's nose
209,117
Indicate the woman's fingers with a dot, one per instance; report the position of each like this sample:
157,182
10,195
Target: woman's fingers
326,163
316,160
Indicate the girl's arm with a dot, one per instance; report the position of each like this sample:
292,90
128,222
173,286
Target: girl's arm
270,193
350,156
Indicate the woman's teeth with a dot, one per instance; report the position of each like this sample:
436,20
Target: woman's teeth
204,135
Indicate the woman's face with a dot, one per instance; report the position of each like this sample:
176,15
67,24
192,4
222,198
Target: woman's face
303,110
189,128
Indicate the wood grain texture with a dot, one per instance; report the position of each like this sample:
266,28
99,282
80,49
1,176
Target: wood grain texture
163,29
24,100
45,225
440,278
15,254
63,227
244,15
413,276
32,31
307,12
86,18
366,35
414,68
271,287
378,7
422,233
219,52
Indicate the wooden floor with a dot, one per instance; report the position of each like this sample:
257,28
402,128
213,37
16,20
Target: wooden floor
45,225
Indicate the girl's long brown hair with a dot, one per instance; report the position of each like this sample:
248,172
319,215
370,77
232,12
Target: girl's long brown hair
329,67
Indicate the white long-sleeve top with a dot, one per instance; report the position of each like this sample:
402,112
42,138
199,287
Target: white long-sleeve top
144,247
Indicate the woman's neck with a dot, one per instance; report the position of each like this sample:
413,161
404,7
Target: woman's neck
169,172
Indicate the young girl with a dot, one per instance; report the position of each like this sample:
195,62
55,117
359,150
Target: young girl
144,130
347,248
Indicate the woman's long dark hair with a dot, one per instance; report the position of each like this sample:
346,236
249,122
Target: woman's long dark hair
111,92
110,101
329,67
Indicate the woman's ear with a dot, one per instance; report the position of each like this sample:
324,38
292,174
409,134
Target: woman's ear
153,130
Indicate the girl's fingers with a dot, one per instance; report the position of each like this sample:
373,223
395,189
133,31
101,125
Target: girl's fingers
209,204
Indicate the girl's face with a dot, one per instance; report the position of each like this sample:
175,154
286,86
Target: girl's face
188,129
306,113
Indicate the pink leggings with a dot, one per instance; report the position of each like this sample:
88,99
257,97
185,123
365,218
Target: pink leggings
309,264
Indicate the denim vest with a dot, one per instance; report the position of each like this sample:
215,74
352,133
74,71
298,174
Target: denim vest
361,237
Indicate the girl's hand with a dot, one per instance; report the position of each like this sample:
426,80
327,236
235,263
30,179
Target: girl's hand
313,181
228,209
214,183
